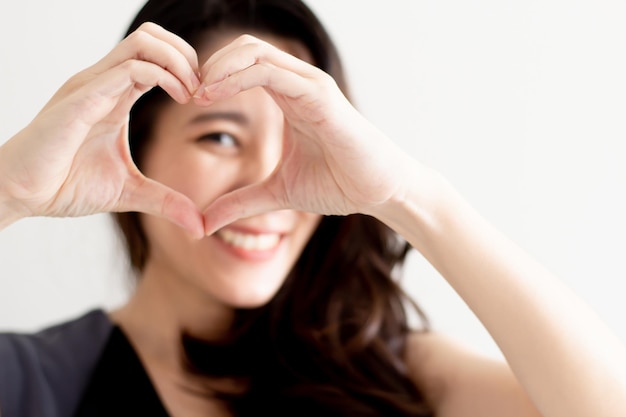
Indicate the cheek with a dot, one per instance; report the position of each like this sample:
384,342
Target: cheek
308,224
200,176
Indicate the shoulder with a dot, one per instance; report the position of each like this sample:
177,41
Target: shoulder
458,381
66,345
46,370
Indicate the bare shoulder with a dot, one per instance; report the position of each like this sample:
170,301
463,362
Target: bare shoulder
460,382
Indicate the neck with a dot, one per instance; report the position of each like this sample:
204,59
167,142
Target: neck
160,310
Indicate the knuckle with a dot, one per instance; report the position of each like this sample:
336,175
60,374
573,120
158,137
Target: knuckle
246,38
326,81
327,78
76,81
129,64
138,38
148,27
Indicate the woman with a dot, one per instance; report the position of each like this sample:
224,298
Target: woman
254,295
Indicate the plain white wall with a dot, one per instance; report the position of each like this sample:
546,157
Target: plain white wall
521,105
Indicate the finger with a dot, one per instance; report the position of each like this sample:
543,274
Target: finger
154,44
246,51
148,196
176,41
242,203
219,54
95,100
274,79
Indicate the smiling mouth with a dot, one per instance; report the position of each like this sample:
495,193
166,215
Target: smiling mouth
248,241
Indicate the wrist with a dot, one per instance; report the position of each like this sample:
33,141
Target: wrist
8,215
417,210
9,212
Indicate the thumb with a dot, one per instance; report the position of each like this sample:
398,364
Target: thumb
151,197
241,203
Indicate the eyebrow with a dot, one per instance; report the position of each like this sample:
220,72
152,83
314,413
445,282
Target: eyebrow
236,117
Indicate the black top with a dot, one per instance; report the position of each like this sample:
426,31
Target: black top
85,367
119,385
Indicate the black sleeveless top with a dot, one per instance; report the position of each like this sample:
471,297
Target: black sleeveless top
85,367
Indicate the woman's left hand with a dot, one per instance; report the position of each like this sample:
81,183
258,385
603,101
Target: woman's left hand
333,161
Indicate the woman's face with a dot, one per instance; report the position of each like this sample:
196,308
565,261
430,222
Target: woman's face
205,152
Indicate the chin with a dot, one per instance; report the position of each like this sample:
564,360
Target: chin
248,303
249,298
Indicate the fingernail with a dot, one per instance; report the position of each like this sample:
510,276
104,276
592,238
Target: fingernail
200,89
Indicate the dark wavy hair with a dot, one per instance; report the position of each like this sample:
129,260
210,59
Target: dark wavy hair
332,340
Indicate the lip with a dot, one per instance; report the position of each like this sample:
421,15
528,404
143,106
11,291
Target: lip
250,253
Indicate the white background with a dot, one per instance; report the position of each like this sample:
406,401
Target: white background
522,105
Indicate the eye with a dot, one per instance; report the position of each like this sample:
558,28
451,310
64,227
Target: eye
220,138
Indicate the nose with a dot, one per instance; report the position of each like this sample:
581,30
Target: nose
263,150
261,158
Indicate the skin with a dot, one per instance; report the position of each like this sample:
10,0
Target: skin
332,160
194,284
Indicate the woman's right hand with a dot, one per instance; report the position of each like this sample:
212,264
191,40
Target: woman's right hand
73,159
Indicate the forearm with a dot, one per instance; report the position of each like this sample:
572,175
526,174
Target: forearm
564,356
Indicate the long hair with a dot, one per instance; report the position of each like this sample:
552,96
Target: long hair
332,340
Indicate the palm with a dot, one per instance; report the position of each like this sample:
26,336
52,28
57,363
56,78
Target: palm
98,176
78,168
321,177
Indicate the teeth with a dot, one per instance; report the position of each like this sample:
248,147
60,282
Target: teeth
250,242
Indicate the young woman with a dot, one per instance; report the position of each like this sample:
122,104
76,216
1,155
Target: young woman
263,214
